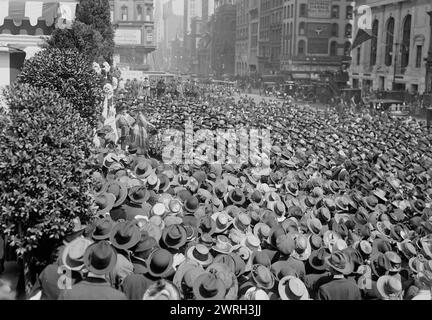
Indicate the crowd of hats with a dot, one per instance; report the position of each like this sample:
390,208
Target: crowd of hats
346,193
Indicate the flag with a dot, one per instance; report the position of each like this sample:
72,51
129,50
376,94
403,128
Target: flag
362,36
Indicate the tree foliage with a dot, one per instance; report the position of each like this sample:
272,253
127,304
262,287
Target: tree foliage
46,162
70,74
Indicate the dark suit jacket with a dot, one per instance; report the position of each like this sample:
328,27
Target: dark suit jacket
339,289
92,289
135,285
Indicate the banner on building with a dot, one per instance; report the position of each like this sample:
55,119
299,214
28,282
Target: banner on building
127,37
319,9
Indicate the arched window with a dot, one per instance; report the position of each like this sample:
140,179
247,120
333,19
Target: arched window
389,42
301,47
292,10
291,28
302,28
347,48
288,14
406,41
124,13
348,31
335,30
374,43
335,12
349,12
333,48
139,12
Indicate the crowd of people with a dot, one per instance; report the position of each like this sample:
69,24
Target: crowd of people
344,214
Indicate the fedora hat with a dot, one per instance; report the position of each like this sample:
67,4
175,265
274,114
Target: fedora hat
143,169
208,287
186,275
159,210
73,253
119,190
302,248
262,277
292,288
262,231
102,229
220,189
174,236
153,229
222,245
235,197
256,197
380,265
104,203
339,262
242,223
144,247
100,258
207,225
224,273
200,253
162,290
251,242
160,263
426,244
138,195
222,221
394,260
278,207
164,182
125,235
389,287
407,248
317,259
314,226
175,206
191,204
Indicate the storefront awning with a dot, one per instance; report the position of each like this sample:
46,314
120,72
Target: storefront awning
35,10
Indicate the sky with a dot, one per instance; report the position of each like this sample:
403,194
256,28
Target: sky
178,6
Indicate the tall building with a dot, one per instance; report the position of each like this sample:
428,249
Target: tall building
158,21
135,36
173,23
270,38
254,19
223,37
317,36
192,9
242,38
395,58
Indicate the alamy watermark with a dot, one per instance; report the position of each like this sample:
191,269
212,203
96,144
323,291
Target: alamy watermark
232,146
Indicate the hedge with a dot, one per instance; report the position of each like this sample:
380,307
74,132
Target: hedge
46,163
70,74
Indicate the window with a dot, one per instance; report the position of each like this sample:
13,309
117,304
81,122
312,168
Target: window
139,13
292,10
419,55
124,13
358,55
389,42
374,43
335,30
349,12
347,48
302,28
348,31
335,11
288,13
148,14
303,10
301,47
333,48
406,41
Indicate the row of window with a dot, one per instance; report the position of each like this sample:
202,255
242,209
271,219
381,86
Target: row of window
124,13
334,32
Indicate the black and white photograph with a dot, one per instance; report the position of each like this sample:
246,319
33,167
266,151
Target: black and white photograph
222,150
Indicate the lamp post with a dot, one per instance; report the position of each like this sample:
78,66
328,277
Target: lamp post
428,82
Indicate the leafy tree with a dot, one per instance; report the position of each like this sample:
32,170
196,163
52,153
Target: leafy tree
46,161
97,14
71,75
81,37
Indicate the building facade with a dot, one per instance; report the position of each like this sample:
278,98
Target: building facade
223,37
135,36
396,56
242,38
317,37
